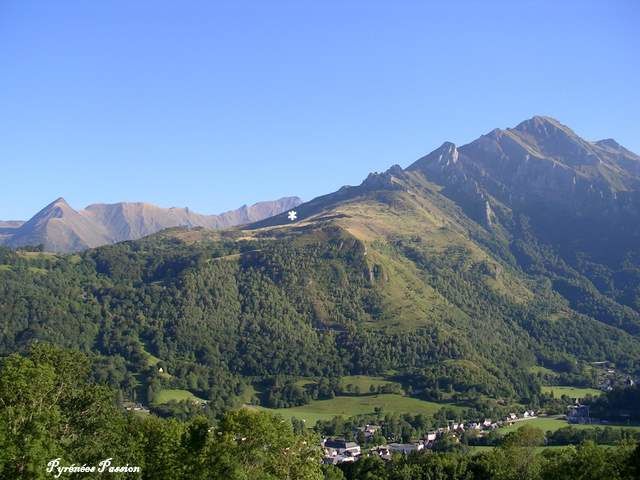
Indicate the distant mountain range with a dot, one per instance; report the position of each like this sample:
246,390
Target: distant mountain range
60,228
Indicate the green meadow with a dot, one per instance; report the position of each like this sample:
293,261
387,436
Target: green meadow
168,394
547,424
364,382
571,392
348,406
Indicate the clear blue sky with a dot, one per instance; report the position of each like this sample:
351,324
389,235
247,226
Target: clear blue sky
214,104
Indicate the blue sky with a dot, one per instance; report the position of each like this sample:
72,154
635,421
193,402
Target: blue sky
215,104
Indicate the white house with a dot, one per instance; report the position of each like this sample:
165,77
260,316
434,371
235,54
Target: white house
406,448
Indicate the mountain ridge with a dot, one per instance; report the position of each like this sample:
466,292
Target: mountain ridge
60,228
535,204
539,160
462,272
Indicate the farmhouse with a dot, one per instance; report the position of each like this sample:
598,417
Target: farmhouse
369,430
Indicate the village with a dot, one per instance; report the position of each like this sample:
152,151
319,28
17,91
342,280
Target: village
339,450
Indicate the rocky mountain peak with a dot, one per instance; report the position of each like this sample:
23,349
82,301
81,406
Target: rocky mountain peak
388,180
541,126
443,157
546,137
57,209
609,143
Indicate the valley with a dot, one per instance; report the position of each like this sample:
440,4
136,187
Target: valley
431,302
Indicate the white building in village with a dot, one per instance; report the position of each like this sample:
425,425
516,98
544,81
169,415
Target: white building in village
340,451
405,448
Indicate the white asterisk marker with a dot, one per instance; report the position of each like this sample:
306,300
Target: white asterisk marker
292,215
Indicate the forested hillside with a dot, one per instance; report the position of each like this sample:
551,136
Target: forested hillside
400,275
54,417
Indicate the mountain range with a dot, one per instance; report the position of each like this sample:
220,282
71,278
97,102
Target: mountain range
60,228
463,273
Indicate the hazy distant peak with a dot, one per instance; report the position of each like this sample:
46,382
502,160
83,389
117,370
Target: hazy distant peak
58,203
61,228
56,209
11,223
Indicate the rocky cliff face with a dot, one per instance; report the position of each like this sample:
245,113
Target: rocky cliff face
568,186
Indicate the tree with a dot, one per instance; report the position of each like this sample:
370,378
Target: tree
298,425
265,445
525,436
367,468
332,472
50,409
590,462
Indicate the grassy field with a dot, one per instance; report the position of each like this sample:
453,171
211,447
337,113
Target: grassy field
553,423
305,381
356,405
166,395
152,360
364,382
571,392
541,369
25,254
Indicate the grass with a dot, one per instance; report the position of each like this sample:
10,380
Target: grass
303,382
364,382
25,254
166,395
571,392
347,406
407,300
541,369
37,270
554,423
152,360
543,423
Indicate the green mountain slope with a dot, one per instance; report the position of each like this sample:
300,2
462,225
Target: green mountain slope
432,272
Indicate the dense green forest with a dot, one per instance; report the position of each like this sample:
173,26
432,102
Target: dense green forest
50,410
222,314
53,415
515,460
